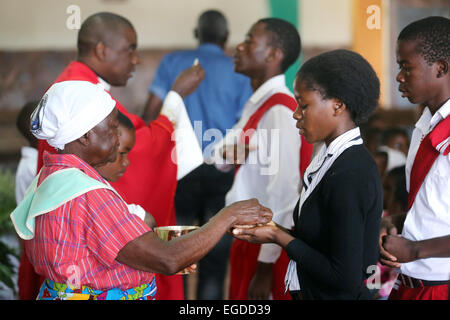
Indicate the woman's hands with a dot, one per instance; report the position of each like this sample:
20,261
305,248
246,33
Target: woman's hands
269,233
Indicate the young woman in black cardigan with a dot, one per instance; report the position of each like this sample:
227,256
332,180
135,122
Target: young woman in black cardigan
333,246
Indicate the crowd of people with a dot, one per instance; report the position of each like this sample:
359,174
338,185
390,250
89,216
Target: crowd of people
300,193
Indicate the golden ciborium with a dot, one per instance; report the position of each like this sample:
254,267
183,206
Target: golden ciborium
169,232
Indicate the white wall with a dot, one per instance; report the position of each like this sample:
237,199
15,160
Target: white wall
326,23
41,24
26,24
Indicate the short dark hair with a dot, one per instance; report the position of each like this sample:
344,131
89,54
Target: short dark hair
285,37
344,75
92,30
212,27
125,121
433,36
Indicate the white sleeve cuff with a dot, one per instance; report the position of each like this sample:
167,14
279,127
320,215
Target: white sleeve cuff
137,210
172,106
269,253
188,152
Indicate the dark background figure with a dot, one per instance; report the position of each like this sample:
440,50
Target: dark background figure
395,195
396,138
26,169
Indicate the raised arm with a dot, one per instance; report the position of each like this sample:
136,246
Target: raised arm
152,108
185,84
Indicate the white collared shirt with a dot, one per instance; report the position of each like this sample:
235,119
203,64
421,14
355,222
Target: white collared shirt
270,173
324,159
104,84
429,216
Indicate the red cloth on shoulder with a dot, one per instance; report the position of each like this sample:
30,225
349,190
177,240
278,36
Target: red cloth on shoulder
252,123
433,144
150,181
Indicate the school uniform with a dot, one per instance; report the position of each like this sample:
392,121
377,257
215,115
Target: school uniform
270,174
428,183
337,221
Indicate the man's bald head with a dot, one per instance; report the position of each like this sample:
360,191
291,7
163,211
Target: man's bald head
107,44
100,27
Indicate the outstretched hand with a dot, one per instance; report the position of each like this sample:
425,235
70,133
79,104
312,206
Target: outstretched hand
258,234
269,233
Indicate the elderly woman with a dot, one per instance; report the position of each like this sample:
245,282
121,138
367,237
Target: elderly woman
337,219
81,235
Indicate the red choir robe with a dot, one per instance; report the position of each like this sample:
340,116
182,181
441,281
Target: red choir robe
150,181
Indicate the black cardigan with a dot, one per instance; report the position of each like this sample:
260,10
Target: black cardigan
338,229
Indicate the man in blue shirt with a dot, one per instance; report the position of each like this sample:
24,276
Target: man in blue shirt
213,108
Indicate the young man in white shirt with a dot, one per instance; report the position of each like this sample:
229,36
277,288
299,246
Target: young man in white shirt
272,154
422,252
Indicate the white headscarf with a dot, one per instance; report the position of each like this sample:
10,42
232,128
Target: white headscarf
68,110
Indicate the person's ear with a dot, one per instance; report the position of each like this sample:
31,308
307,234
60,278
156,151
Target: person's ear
100,51
275,54
85,138
196,33
442,68
225,39
223,42
338,107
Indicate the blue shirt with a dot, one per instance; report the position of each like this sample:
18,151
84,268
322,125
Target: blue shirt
218,101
